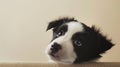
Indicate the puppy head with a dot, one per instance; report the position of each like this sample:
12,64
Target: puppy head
75,42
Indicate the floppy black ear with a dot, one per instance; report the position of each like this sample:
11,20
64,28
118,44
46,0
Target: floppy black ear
59,22
104,43
51,25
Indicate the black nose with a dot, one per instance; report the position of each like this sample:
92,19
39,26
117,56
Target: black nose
55,48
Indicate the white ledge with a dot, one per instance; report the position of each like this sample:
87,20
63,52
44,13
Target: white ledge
97,64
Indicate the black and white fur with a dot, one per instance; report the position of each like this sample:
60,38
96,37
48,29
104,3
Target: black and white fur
75,42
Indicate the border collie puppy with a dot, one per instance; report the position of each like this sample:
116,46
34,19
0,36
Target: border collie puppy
75,42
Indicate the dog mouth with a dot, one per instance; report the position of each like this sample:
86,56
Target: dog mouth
55,56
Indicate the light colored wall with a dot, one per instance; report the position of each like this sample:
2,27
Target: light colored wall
23,23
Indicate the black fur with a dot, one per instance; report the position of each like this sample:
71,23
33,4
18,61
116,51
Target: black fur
93,42
56,23
62,29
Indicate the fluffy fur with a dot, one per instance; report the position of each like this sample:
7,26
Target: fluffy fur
75,42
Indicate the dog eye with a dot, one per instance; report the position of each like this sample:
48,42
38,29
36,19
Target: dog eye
77,42
60,33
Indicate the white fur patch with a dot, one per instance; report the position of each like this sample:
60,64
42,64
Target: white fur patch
66,54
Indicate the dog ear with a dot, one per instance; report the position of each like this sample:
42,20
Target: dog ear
104,43
59,22
53,24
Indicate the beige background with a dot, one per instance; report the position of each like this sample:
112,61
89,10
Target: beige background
23,23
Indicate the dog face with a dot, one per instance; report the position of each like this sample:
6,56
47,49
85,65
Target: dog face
74,42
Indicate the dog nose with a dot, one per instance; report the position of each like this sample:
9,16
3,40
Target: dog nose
55,48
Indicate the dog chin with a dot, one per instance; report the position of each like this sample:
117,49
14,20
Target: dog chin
55,57
59,59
